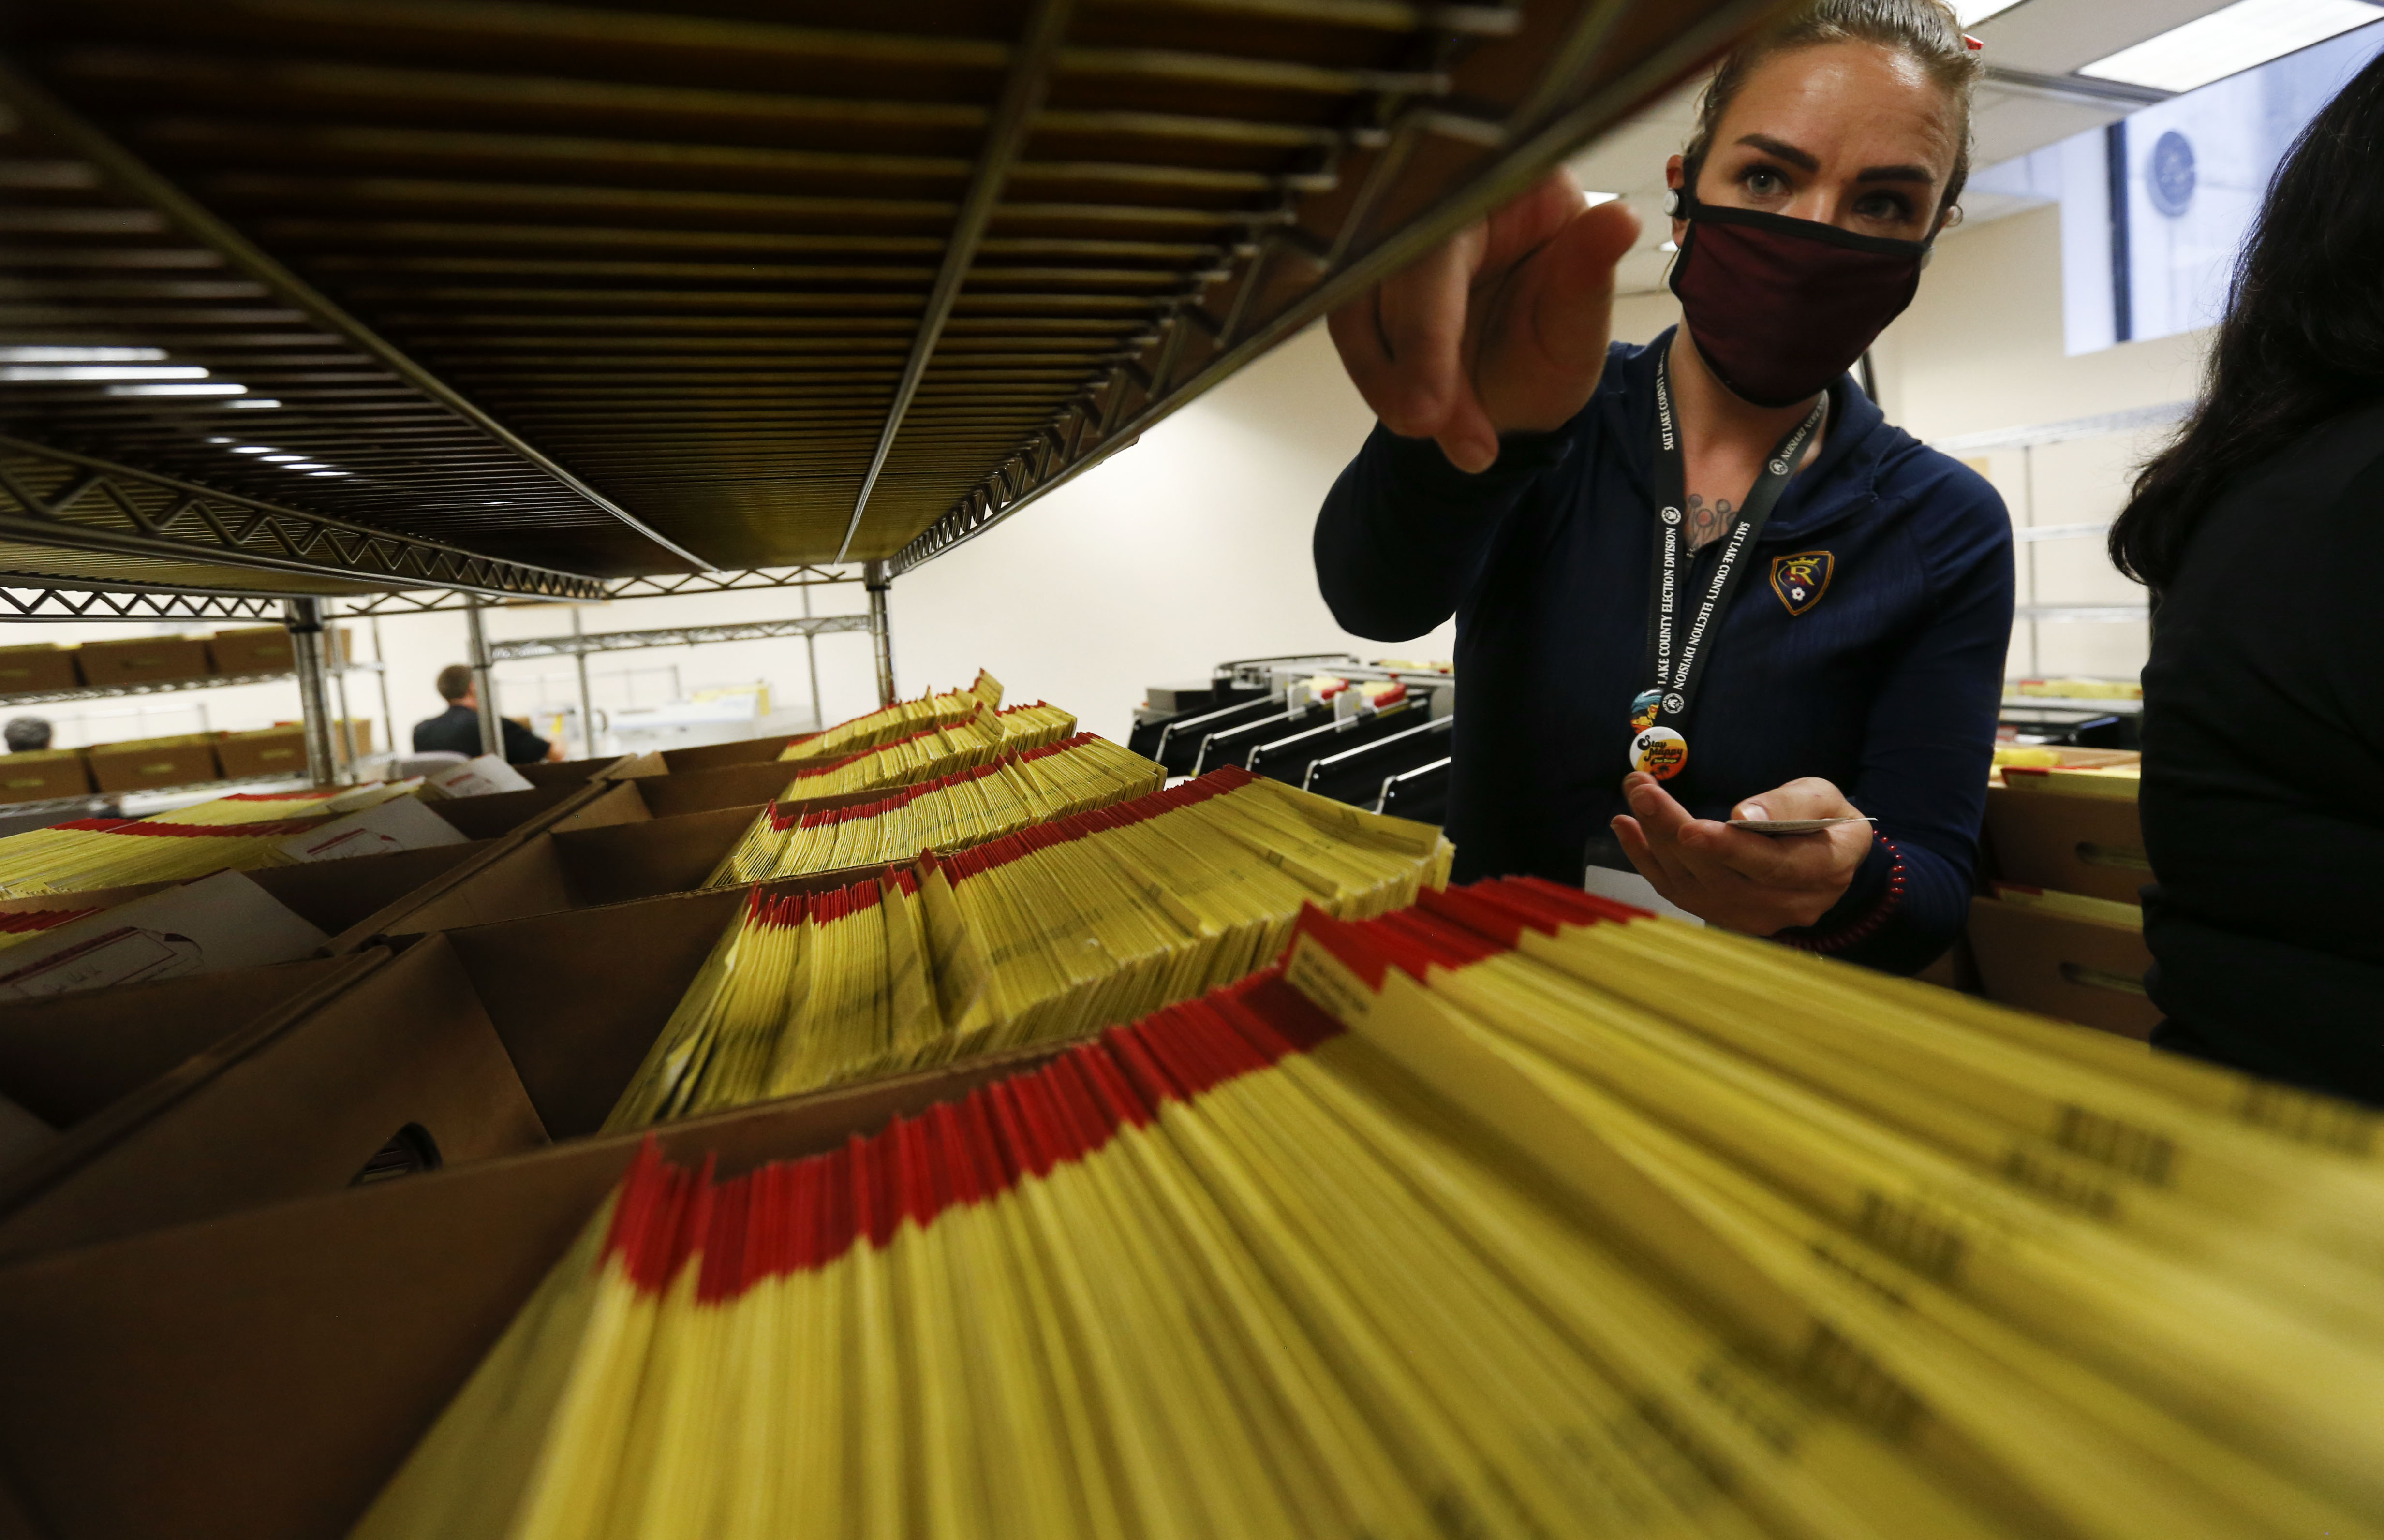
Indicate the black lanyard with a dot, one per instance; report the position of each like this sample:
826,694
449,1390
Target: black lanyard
1677,651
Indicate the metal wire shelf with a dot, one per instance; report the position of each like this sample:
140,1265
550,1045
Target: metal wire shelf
166,686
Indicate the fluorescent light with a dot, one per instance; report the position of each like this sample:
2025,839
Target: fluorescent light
2229,40
283,459
253,449
1971,11
222,441
305,465
327,473
100,371
81,355
256,403
223,388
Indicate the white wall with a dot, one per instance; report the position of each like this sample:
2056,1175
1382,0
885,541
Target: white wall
1981,351
1188,549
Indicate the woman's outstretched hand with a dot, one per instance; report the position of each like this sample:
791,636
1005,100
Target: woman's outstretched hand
1741,880
1501,328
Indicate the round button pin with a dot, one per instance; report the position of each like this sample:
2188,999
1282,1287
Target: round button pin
1661,752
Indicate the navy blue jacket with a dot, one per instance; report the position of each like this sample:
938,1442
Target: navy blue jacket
1888,684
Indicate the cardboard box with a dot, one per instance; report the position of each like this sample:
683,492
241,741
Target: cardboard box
2089,971
266,649
144,661
300,1352
143,763
351,737
41,774
267,751
295,1103
250,649
486,1040
494,824
611,863
69,1058
37,667
2088,845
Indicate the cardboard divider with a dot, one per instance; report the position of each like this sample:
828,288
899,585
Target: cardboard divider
2063,966
67,1058
496,823
612,851
572,772
744,751
700,791
262,1375
490,1039
580,868
293,1102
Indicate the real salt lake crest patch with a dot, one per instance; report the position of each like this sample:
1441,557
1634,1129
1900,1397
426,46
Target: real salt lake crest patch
1801,580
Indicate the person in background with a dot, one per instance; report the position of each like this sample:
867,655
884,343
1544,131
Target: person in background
1840,595
26,734
458,729
2260,532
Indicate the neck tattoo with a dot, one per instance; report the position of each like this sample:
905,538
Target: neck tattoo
1708,521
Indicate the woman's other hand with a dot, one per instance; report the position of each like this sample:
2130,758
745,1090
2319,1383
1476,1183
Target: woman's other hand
1501,328
1757,883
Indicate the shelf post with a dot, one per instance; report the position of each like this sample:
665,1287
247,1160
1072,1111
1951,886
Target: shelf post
586,697
304,619
811,657
388,713
881,634
484,687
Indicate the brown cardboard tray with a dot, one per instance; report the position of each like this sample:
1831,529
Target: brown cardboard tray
144,659
490,1039
612,850
261,1376
38,775
744,751
250,649
493,823
2088,844
2063,966
698,790
267,751
38,666
146,762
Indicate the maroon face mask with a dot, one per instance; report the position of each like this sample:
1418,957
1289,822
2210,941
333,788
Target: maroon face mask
1782,307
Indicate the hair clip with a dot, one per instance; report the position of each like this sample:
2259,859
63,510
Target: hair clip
1972,43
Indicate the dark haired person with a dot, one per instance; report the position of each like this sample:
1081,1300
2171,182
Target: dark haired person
2261,534
26,734
1550,490
458,729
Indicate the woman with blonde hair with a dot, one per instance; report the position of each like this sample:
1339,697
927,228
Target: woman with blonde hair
1701,583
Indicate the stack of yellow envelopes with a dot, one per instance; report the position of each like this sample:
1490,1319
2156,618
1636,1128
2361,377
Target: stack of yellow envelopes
1510,1214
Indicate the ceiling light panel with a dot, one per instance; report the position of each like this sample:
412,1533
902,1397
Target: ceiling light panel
2231,39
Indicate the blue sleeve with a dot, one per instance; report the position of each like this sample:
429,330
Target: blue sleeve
1403,531
1929,745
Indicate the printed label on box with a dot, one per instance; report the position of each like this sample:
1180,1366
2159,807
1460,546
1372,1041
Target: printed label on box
217,922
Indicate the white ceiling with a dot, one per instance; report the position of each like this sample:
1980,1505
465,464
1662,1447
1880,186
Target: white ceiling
2039,37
